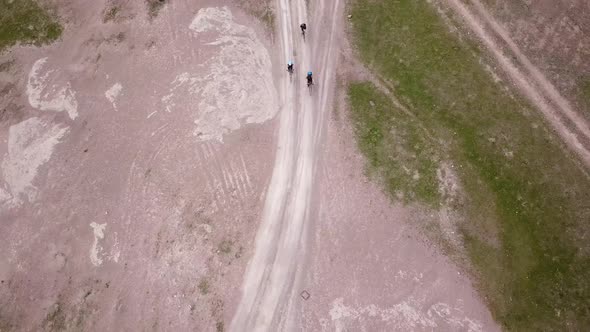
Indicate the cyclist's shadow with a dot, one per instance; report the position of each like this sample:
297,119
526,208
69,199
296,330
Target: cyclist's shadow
310,87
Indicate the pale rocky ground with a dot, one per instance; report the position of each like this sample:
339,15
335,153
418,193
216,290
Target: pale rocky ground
134,164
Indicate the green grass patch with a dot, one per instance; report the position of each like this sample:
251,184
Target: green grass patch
154,7
111,13
537,277
398,151
26,22
261,10
5,66
55,319
585,92
268,17
225,246
203,286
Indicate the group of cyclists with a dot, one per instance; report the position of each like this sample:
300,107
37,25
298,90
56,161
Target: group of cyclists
290,64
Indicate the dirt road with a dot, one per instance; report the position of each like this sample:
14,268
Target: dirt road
269,288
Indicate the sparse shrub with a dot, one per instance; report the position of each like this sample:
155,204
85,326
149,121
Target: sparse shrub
204,286
154,7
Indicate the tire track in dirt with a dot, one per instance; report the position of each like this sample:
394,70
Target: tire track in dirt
270,293
534,85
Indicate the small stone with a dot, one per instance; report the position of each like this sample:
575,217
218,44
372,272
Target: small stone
305,295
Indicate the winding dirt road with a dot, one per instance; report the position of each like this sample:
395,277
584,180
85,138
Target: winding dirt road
276,268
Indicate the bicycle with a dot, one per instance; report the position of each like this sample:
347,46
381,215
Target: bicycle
309,81
290,70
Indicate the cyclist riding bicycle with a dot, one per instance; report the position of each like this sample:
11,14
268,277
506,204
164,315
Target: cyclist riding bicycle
309,78
303,26
290,66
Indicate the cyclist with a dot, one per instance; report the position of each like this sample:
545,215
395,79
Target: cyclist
290,66
303,26
309,78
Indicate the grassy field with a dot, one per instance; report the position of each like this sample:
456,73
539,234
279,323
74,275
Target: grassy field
399,152
26,22
518,178
584,94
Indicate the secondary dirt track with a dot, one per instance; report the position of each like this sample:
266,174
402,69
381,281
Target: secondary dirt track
568,123
555,36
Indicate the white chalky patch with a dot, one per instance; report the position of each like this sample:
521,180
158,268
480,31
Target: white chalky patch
96,250
213,19
454,317
46,93
406,315
5,198
115,256
112,94
402,315
30,145
208,229
115,251
237,86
